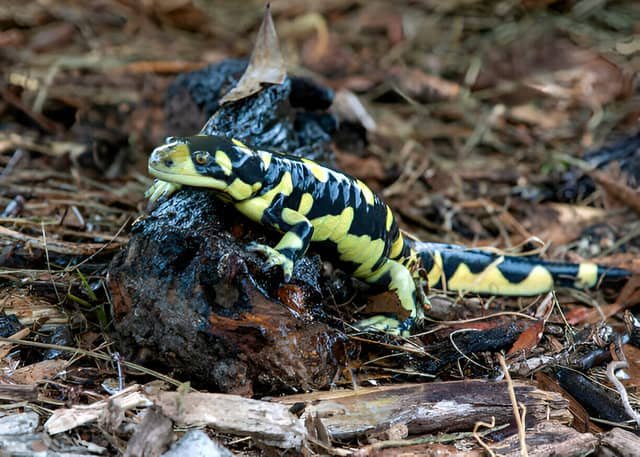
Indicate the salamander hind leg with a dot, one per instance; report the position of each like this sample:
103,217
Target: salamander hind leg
395,277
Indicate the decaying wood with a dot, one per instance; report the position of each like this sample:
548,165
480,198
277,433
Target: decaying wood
152,436
268,423
30,308
19,424
427,408
66,419
17,392
620,443
39,371
549,439
419,450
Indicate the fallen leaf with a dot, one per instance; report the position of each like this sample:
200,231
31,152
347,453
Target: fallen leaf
423,87
266,65
528,339
618,189
632,354
366,168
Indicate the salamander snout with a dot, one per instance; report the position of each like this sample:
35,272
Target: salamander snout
162,158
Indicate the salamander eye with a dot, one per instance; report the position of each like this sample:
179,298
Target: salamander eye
201,157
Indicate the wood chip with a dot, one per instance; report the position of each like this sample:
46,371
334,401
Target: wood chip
269,423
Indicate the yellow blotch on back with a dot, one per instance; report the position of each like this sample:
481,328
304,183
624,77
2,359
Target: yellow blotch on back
436,273
306,202
284,187
366,192
320,172
240,190
254,208
265,157
292,217
363,250
389,221
396,247
332,227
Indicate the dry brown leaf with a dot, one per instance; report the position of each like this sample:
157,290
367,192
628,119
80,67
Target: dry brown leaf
530,114
528,339
424,87
366,168
182,14
618,189
559,223
266,65
555,66
314,28
632,354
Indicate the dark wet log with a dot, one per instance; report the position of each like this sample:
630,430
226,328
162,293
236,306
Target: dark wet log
184,297
549,439
427,408
598,401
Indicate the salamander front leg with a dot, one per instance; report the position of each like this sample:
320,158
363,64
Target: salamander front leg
160,189
292,245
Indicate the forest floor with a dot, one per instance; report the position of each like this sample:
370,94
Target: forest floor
510,124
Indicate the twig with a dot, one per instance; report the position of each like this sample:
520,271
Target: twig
514,403
611,374
44,122
95,355
478,436
60,247
444,438
460,351
46,253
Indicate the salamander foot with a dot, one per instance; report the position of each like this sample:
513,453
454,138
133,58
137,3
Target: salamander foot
387,325
160,189
273,258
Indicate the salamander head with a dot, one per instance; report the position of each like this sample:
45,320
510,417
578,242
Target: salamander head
213,162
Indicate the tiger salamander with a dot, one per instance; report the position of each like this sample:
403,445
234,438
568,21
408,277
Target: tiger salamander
309,202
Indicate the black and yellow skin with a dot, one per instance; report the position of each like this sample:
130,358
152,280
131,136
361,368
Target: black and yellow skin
308,203
456,268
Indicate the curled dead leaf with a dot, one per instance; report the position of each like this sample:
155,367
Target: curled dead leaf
266,65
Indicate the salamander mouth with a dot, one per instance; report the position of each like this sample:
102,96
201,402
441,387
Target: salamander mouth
175,166
187,180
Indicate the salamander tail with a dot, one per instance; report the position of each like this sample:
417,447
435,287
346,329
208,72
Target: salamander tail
457,268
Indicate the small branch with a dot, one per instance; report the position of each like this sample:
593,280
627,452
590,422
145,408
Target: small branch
514,403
